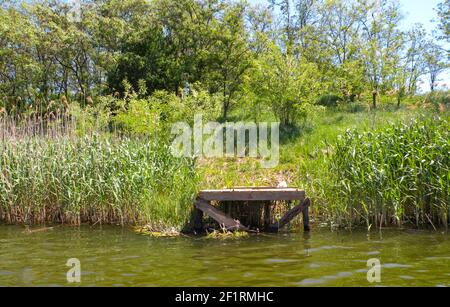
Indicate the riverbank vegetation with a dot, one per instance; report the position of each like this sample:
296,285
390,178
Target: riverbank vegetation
396,174
93,178
367,168
377,168
88,96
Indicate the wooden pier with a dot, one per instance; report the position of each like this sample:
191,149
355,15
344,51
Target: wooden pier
248,194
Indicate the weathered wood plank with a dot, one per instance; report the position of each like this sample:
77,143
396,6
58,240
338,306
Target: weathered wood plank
249,194
224,220
253,188
291,214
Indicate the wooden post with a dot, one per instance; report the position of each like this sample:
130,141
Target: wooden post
306,215
291,214
198,221
224,220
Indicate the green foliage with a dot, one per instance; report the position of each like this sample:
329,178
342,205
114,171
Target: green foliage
399,174
328,100
284,84
439,99
247,56
96,180
90,119
226,235
155,114
435,62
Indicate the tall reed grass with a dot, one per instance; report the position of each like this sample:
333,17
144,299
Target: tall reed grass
48,173
399,174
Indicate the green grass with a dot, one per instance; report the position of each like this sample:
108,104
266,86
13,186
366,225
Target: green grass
95,180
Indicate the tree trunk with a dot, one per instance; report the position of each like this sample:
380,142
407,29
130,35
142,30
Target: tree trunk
225,110
374,99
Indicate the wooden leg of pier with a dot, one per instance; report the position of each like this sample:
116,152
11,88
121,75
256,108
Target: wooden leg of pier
291,214
305,213
198,221
267,215
203,206
224,220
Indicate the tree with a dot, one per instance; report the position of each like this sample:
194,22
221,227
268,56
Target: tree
260,28
383,40
287,19
231,56
284,84
414,59
409,64
443,11
435,63
297,19
340,25
70,46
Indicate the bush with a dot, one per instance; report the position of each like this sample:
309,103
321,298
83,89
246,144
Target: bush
155,114
438,98
329,100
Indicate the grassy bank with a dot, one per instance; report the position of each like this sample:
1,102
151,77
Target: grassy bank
412,150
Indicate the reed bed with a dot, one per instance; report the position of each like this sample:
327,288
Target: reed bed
396,175
63,170
48,174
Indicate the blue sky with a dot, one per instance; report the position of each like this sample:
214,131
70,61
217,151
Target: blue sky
420,11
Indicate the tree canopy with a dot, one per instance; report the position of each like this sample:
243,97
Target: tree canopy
283,54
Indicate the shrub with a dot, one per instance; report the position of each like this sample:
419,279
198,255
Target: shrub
438,98
329,100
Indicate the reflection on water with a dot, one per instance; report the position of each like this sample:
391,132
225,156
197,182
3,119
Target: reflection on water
114,256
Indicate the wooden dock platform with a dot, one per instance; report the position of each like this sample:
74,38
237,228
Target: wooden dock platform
249,194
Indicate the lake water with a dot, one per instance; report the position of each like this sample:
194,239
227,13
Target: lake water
115,256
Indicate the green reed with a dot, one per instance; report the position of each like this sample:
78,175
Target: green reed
96,178
399,174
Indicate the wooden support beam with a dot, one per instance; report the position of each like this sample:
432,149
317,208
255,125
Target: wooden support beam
224,220
291,214
198,221
305,213
251,194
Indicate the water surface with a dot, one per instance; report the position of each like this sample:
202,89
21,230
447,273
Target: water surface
115,256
